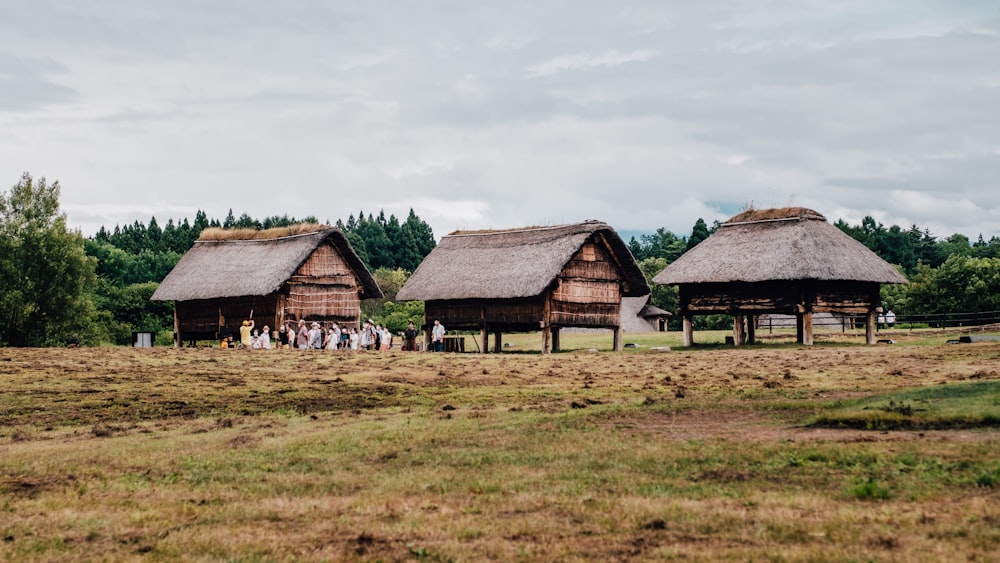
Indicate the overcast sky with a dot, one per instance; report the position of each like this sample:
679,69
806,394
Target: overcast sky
505,114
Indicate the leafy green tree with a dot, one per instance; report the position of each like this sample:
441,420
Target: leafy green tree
45,275
963,284
390,281
663,244
662,296
397,315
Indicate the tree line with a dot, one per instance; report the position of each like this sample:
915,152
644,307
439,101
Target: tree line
58,287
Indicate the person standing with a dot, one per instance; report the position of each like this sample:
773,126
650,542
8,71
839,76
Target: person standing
283,337
410,338
316,337
246,334
437,336
890,318
265,338
302,339
363,337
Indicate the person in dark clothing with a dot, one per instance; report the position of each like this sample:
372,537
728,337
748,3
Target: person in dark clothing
410,338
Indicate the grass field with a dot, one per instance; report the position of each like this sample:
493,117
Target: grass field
769,452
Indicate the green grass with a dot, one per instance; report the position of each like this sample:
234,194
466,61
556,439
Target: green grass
958,405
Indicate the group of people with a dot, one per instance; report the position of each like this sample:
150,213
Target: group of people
314,336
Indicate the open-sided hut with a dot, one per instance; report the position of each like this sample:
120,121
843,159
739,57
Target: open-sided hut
529,279
788,260
279,275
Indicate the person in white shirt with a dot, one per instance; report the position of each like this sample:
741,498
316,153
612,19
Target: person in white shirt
265,338
437,336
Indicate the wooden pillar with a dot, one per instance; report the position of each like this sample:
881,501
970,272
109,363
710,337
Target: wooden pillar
737,330
556,346
619,344
807,328
546,324
799,332
688,329
177,330
752,329
484,337
497,342
427,335
870,328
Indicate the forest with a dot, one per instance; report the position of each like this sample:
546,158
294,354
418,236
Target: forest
59,287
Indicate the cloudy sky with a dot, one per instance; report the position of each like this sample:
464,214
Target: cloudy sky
643,114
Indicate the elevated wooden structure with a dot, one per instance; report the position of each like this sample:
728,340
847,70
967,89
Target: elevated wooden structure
529,279
288,274
788,260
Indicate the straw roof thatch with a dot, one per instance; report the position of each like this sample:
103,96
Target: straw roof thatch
790,243
637,314
219,266
511,264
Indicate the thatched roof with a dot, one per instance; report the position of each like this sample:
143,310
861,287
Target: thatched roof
219,266
791,243
511,264
639,316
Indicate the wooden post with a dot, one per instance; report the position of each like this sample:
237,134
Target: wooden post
807,328
752,329
556,346
737,330
619,344
484,336
546,326
427,335
870,328
799,331
497,342
688,329
177,329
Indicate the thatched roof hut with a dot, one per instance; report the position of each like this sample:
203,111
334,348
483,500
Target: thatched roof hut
788,260
528,279
638,315
286,274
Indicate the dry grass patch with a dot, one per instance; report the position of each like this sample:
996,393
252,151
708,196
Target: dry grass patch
208,454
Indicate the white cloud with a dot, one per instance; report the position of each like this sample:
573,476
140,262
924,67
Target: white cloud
506,116
585,61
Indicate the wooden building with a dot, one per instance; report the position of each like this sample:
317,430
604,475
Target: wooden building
529,279
307,272
789,261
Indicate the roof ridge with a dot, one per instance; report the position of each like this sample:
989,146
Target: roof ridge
524,229
271,239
